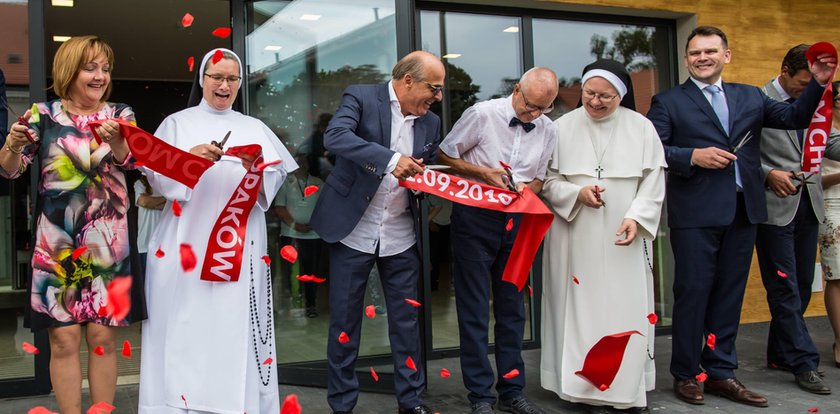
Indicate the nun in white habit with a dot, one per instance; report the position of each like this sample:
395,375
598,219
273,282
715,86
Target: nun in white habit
605,183
209,347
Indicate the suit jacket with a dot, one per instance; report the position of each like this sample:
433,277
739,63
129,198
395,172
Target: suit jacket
781,150
359,135
685,120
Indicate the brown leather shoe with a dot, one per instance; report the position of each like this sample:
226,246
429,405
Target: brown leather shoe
733,389
689,390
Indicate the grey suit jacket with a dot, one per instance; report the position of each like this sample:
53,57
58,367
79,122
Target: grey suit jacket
781,150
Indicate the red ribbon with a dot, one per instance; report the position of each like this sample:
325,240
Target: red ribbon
158,155
817,135
604,359
536,217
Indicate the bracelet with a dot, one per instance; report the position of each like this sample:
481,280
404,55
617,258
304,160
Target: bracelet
12,149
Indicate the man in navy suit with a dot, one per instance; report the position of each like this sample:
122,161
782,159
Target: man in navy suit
715,197
380,134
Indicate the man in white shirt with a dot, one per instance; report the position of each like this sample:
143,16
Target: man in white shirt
513,130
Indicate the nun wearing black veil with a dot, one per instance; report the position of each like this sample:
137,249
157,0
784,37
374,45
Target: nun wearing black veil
209,345
605,183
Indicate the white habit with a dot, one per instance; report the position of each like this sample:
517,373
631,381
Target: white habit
204,343
615,289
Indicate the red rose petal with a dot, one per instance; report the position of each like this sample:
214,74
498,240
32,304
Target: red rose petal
103,311
290,405
176,208
309,190
126,352
374,374
530,291
30,349
781,273
268,361
267,260
409,362
509,225
217,56
78,252
318,279
100,408
304,278
444,373
187,257
99,350
343,338
652,318
221,32
813,410
710,341
187,20
701,377
263,165
511,374
370,311
575,279
159,253
603,387
289,253
413,302
191,64
40,410
119,298
185,401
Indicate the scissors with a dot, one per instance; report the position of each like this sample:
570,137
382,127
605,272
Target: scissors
598,197
21,121
508,177
743,141
220,145
803,180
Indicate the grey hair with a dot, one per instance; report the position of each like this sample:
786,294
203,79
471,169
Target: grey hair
411,64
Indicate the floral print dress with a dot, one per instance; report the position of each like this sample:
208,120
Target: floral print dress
82,237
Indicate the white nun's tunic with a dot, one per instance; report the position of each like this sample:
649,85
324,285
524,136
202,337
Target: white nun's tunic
205,343
614,292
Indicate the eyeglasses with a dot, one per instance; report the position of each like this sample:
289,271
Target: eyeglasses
533,108
219,79
436,89
588,95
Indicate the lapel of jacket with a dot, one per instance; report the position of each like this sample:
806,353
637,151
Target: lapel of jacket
771,91
419,136
385,114
696,95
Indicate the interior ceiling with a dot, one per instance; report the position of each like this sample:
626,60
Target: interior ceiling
147,36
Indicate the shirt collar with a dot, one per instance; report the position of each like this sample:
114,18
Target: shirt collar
782,92
703,85
395,103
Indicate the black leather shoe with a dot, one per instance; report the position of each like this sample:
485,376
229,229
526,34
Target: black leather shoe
519,405
812,382
781,366
482,408
420,409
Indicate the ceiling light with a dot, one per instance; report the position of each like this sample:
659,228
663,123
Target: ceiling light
272,48
62,3
310,17
61,39
452,56
512,29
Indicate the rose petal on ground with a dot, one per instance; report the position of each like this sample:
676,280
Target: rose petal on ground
40,410
176,208
370,311
290,405
187,257
652,318
374,374
221,32
100,408
78,252
309,190
187,20
30,349
343,338
444,373
413,302
126,351
511,374
813,410
289,253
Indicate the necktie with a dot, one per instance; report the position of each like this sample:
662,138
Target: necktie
527,126
800,133
722,112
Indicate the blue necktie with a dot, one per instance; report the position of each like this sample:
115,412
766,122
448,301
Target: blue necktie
722,111
527,126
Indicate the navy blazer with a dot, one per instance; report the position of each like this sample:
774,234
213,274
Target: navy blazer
359,135
685,120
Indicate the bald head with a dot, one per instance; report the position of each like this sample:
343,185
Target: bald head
540,78
534,94
418,82
416,64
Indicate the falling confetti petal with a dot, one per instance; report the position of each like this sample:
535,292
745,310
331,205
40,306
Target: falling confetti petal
575,279
309,190
343,338
30,349
119,298
267,260
813,410
511,374
781,273
701,377
263,165
191,64
268,361
126,352
409,362
159,253
289,253
652,318
176,208
187,20
413,302
530,291
217,56
40,410
374,374
100,408
78,252
185,401
187,257
304,278
509,225
99,350
444,373
221,32
318,279
370,311
290,405
710,341
604,359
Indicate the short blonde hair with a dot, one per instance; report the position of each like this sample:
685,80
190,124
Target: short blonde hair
72,56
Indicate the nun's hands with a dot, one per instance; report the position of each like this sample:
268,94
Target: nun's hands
589,196
629,228
210,152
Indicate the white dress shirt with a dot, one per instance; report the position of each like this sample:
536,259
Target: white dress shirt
387,221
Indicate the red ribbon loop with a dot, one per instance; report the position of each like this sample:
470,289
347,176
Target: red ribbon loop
817,135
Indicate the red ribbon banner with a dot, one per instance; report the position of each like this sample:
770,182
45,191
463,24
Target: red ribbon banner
158,155
817,135
536,218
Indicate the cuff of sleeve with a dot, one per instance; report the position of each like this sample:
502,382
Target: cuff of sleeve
127,162
392,164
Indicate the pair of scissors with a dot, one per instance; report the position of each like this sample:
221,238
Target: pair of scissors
220,145
743,141
21,121
508,177
598,197
803,180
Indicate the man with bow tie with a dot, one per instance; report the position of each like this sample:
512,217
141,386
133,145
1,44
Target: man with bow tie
512,130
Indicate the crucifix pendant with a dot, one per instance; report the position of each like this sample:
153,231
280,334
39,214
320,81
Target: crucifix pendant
598,170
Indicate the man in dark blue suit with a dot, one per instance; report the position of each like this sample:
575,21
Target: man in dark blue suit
715,197
380,134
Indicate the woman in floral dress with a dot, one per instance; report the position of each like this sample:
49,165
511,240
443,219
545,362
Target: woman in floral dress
81,241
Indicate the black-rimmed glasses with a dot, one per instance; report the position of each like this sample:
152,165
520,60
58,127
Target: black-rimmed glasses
533,108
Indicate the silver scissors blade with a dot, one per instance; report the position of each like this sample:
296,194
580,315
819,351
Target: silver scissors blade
221,145
744,140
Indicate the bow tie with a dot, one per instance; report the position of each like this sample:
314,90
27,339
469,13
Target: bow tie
527,126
